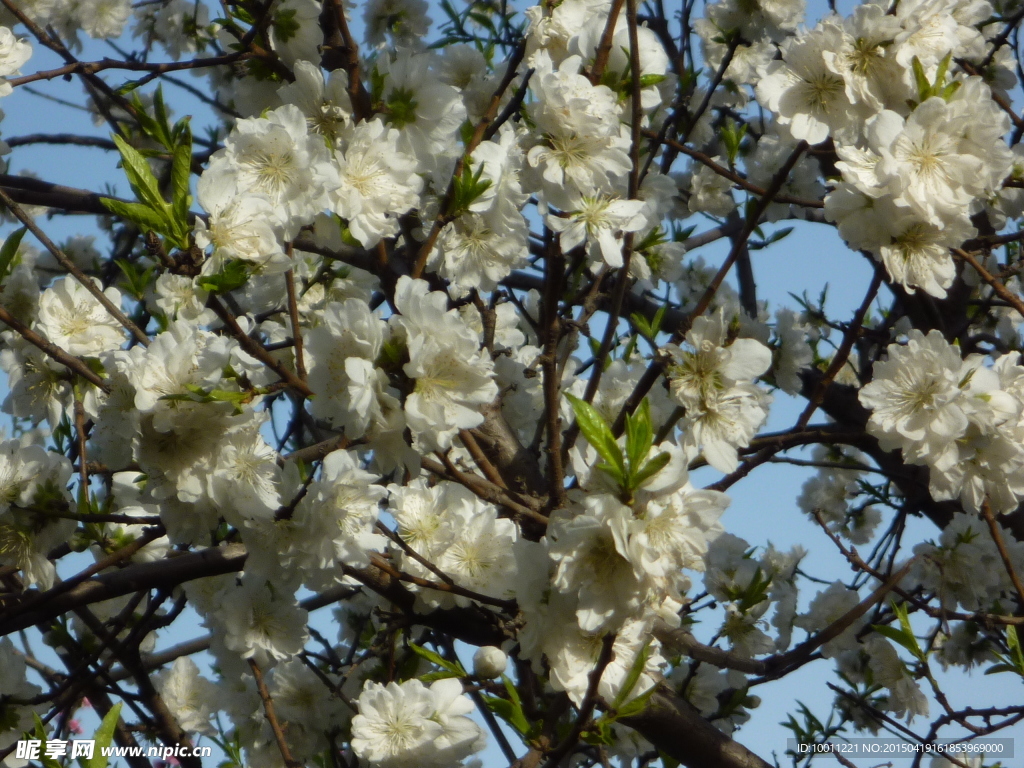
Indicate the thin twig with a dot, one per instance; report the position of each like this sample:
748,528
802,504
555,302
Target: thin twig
855,560
481,487
256,349
843,353
155,69
454,589
489,470
83,464
350,61
1001,290
735,178
997,537
657,366
268,711
604,47
57,353
587,707
405,547
125,552
72,268
293,311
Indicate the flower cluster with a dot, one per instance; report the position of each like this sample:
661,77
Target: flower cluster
957,416
459,534
33,487
918,155
712,380
411,724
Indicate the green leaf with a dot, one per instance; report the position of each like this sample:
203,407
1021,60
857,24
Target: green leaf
40,734
938,87
652,239
431,656
40,729
637,705
651,468
659,318
162,120
9,250
646,81
641,324
104,737
181,172
601,733
503,709
468,187
444,674
136,281
1015,661
454,669
628,351
924,88
232,276
598,434
510,709
149,127
774,237
754,593
286,26
156,128
466,132
633,676
197,394
140,175
897,636
639,437
142,216
1013,643
510,688
732,134
940,72
995,670
128,87
614,471
242,15
900,610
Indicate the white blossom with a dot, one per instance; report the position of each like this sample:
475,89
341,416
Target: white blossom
276,157
189,696
410,724
378,182
489,662
75,320
13,55
713,382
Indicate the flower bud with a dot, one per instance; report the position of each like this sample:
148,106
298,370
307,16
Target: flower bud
489,662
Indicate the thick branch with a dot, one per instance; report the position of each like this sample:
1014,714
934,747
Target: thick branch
518,467
676,728
167,573
28,191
